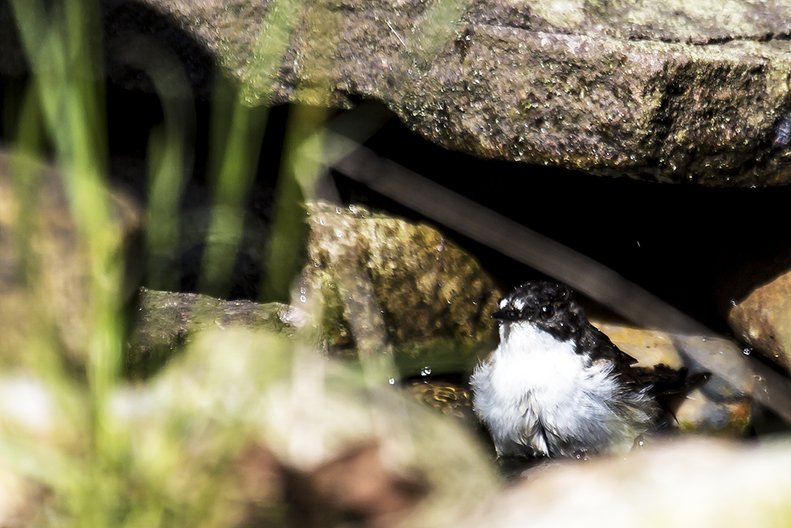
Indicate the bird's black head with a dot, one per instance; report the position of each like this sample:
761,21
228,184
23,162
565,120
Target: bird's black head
550,306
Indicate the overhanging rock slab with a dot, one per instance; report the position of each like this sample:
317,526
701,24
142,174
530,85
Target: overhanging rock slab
668,91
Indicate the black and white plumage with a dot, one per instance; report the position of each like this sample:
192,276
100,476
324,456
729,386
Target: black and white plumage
556,385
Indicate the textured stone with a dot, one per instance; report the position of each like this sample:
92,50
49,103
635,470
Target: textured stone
165,321
386,282
763,319
664,91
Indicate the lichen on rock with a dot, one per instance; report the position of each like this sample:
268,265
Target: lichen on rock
386,282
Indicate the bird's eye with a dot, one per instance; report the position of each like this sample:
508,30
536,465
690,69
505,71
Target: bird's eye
547,312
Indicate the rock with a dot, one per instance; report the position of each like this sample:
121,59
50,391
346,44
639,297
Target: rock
763,319
668,94
45,281
714,407
247,425
694,482
252,414
386,282
24,503
648,347
165,321
448,398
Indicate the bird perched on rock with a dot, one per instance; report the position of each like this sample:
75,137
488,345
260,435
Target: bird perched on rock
557,386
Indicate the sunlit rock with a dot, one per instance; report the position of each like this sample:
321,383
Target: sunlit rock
668,92
763,319
386,282
689,482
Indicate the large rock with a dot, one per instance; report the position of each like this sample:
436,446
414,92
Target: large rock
695,482
247,423
384,282
670,92
246,427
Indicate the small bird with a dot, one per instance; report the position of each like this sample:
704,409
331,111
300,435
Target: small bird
556,385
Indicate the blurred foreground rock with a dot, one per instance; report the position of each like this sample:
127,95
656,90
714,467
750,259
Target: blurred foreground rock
44,278
295,439
244,428
763,319
694,482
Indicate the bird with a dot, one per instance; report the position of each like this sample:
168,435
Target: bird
556,386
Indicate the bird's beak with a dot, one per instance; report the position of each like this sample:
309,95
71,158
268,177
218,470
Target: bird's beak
506,315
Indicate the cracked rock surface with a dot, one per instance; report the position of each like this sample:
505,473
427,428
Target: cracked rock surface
667,91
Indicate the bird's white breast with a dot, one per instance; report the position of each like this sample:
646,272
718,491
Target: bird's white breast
529,359
536,393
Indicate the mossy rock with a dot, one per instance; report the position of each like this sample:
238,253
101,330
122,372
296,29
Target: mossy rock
388,283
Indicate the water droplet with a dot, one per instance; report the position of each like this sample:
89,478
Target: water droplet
353,209
391,381
323,221
733,302
425,371
747,351
302,290
338,233
302,298
703,339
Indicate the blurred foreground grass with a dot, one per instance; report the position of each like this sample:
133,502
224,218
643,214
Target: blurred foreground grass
244,427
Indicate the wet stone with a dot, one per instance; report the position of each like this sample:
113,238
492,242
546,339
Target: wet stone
166,320
450,399
385,282
763,319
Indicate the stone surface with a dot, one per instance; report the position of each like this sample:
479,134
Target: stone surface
668,92
763,319
44,281
694,482
385,282
165,321
448,398
256,402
